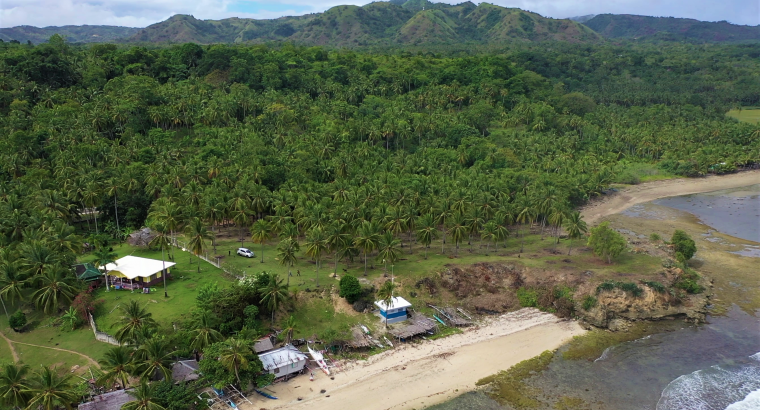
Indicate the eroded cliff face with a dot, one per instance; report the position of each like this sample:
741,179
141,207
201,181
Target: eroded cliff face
492,287
616,307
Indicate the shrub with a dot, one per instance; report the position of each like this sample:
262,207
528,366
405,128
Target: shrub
654,237
628,287
360,305
688,282
606,242
350,288
683,245
609,285
655,286
589,302
631,288
17,320
527,297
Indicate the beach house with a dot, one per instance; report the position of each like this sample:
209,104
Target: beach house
283,361
396,311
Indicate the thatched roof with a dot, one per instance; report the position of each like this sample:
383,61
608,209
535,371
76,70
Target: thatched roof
185,371
359,339
417,325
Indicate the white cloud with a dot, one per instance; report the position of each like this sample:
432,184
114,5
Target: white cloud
140,13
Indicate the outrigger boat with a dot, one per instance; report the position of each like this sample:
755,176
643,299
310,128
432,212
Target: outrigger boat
267,395
320,360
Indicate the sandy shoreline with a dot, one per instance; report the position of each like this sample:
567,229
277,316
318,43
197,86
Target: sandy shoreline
651,191
417,375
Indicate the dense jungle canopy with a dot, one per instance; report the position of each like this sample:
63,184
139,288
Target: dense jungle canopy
322,142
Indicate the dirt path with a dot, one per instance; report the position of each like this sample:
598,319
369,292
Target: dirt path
10,344
636,194
89,359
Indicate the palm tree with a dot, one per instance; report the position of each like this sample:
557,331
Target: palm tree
161,240
525,216
104,256
14,388
50,391
367,239
198,234
336,240
274,294
557,219
458,231
11,279
261,231
234,357
54,288
290,327
286,252
388,249
427,231
575,227
316,245
135,318
385,294
117,365
154,359
489,233
144,395
169,214
204,334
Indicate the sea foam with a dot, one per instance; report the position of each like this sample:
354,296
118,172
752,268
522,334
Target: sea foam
715,388
751,402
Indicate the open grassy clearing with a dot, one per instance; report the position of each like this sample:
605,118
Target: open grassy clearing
5,352
182,289
37,357
751,115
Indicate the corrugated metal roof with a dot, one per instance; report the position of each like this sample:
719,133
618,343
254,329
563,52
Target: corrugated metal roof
397,303
281,357
109,401
132,267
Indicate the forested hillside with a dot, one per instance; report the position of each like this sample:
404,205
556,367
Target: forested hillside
378,23
346,151
74,34
670,28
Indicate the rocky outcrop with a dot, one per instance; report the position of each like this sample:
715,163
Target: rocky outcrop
615,307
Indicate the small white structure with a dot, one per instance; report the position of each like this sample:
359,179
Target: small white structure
396,312
283,361
141,270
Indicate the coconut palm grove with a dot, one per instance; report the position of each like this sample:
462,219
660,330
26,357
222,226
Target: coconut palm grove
321,161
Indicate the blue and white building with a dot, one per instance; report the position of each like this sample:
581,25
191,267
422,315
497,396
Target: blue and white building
396,312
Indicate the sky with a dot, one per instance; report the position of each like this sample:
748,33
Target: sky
141,13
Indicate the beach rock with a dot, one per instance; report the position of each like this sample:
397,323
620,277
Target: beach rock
618,325
651,305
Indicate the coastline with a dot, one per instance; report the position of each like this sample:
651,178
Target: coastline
416,375
650,191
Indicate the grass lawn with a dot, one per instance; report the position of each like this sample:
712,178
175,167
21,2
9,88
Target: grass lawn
41,331
751,115
37,357
182,289
5,353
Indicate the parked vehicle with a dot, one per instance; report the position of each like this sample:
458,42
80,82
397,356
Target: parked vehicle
245,252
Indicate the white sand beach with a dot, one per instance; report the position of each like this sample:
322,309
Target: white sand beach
417,375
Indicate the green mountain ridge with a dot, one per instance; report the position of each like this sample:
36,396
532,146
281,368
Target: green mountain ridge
402,22
75,34
670,28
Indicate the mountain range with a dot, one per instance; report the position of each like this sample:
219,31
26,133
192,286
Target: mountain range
401,22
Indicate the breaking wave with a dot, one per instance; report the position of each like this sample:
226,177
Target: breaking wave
725,387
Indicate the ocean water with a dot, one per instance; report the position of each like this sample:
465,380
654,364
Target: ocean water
735,212
713,366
